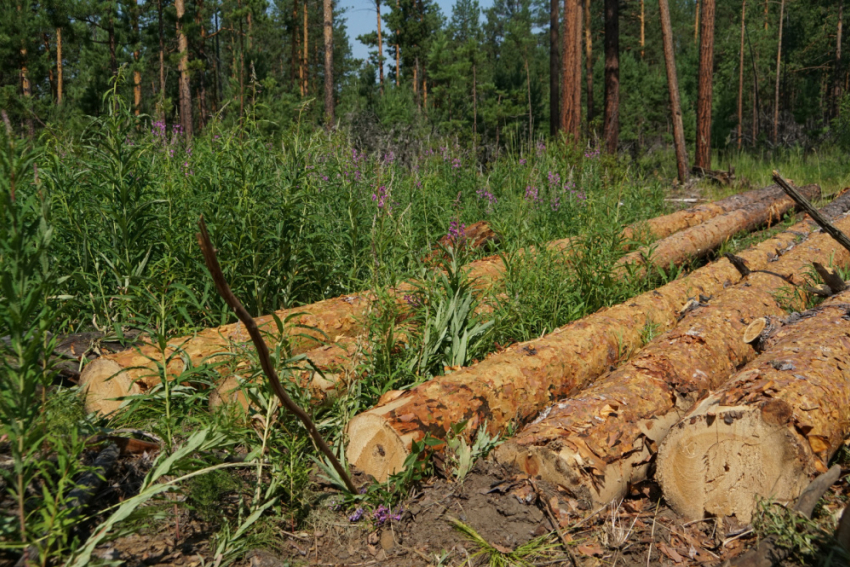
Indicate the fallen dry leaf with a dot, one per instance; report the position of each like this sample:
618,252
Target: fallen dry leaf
670,552
590,550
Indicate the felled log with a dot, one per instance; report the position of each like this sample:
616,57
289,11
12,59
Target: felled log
771,427
514,385
473,237
602,440
332,360
135,371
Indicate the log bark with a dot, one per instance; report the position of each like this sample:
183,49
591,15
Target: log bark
514,385
135,371
673,88
771,427
702,158
598,443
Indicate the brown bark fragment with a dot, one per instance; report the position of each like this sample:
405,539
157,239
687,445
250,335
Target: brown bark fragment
514,385
772,426
599,442
345,316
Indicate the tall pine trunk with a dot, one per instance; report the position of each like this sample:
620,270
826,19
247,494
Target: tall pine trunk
611,120
778,76
305,45
696,23
380,47
202,54
588,64
554,69
741,77
113,58
58,65
329,64
570,112
837,79
50,77
704,89
161,61
184,91
673,87
137,74
642,29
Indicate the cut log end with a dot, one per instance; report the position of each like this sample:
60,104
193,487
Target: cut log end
102,382
375,447
754,330
715,465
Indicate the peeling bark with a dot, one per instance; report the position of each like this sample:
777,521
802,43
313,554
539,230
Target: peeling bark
772,427
514,385
598,443
341,317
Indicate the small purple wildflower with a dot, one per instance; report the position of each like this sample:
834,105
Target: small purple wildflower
413,301
355,517
456,163
532,194
381,197
457,233
592,154
522,161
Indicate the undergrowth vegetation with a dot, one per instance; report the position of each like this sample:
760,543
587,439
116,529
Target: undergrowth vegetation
98,234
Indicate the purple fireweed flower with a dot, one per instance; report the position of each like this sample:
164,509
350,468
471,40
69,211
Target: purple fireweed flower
355,517
381,197
457,233
554,179
413,301
592,154
556,203
522,161
389,158
456,163
532,194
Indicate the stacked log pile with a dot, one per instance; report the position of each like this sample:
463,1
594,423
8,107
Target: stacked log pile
514,385
769,429
339,319
602,440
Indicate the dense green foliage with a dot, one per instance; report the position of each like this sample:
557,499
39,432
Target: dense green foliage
478,71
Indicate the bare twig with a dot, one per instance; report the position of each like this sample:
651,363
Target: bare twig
555,524
263,352
816,216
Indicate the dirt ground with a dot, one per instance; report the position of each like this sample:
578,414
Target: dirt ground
506,509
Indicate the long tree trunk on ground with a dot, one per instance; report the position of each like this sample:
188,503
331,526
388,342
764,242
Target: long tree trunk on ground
778,75
380,47
771,428
741,78
344,316
161,61
554,69
602,441
673,88
588,64
514,385
611,120
184,90
837,72
702,158
58,65
329,63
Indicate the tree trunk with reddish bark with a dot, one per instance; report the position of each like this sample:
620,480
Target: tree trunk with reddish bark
673,89
514,385
59,81
597,444
588,64
380,47
554,69
769,429
778,75
611,120
741,78
702,158
329,63
184,91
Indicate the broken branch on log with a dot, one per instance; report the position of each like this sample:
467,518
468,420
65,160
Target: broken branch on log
804,204
768,429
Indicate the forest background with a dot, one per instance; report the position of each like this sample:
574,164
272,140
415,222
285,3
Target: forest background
479,75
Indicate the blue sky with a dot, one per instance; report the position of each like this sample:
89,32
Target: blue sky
360,16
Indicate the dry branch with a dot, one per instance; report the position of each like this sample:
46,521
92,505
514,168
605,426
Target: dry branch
771,427
514,385
598,443
804,204
334,320
263,353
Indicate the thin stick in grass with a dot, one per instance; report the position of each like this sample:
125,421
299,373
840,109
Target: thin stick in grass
263,351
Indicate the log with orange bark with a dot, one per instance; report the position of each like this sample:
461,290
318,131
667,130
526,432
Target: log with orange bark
333,320
605,438
514,385
772,427
333,364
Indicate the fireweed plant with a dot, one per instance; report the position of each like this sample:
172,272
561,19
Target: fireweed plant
298,217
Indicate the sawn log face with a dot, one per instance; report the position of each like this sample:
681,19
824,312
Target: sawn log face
771,427
604,438
514,385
